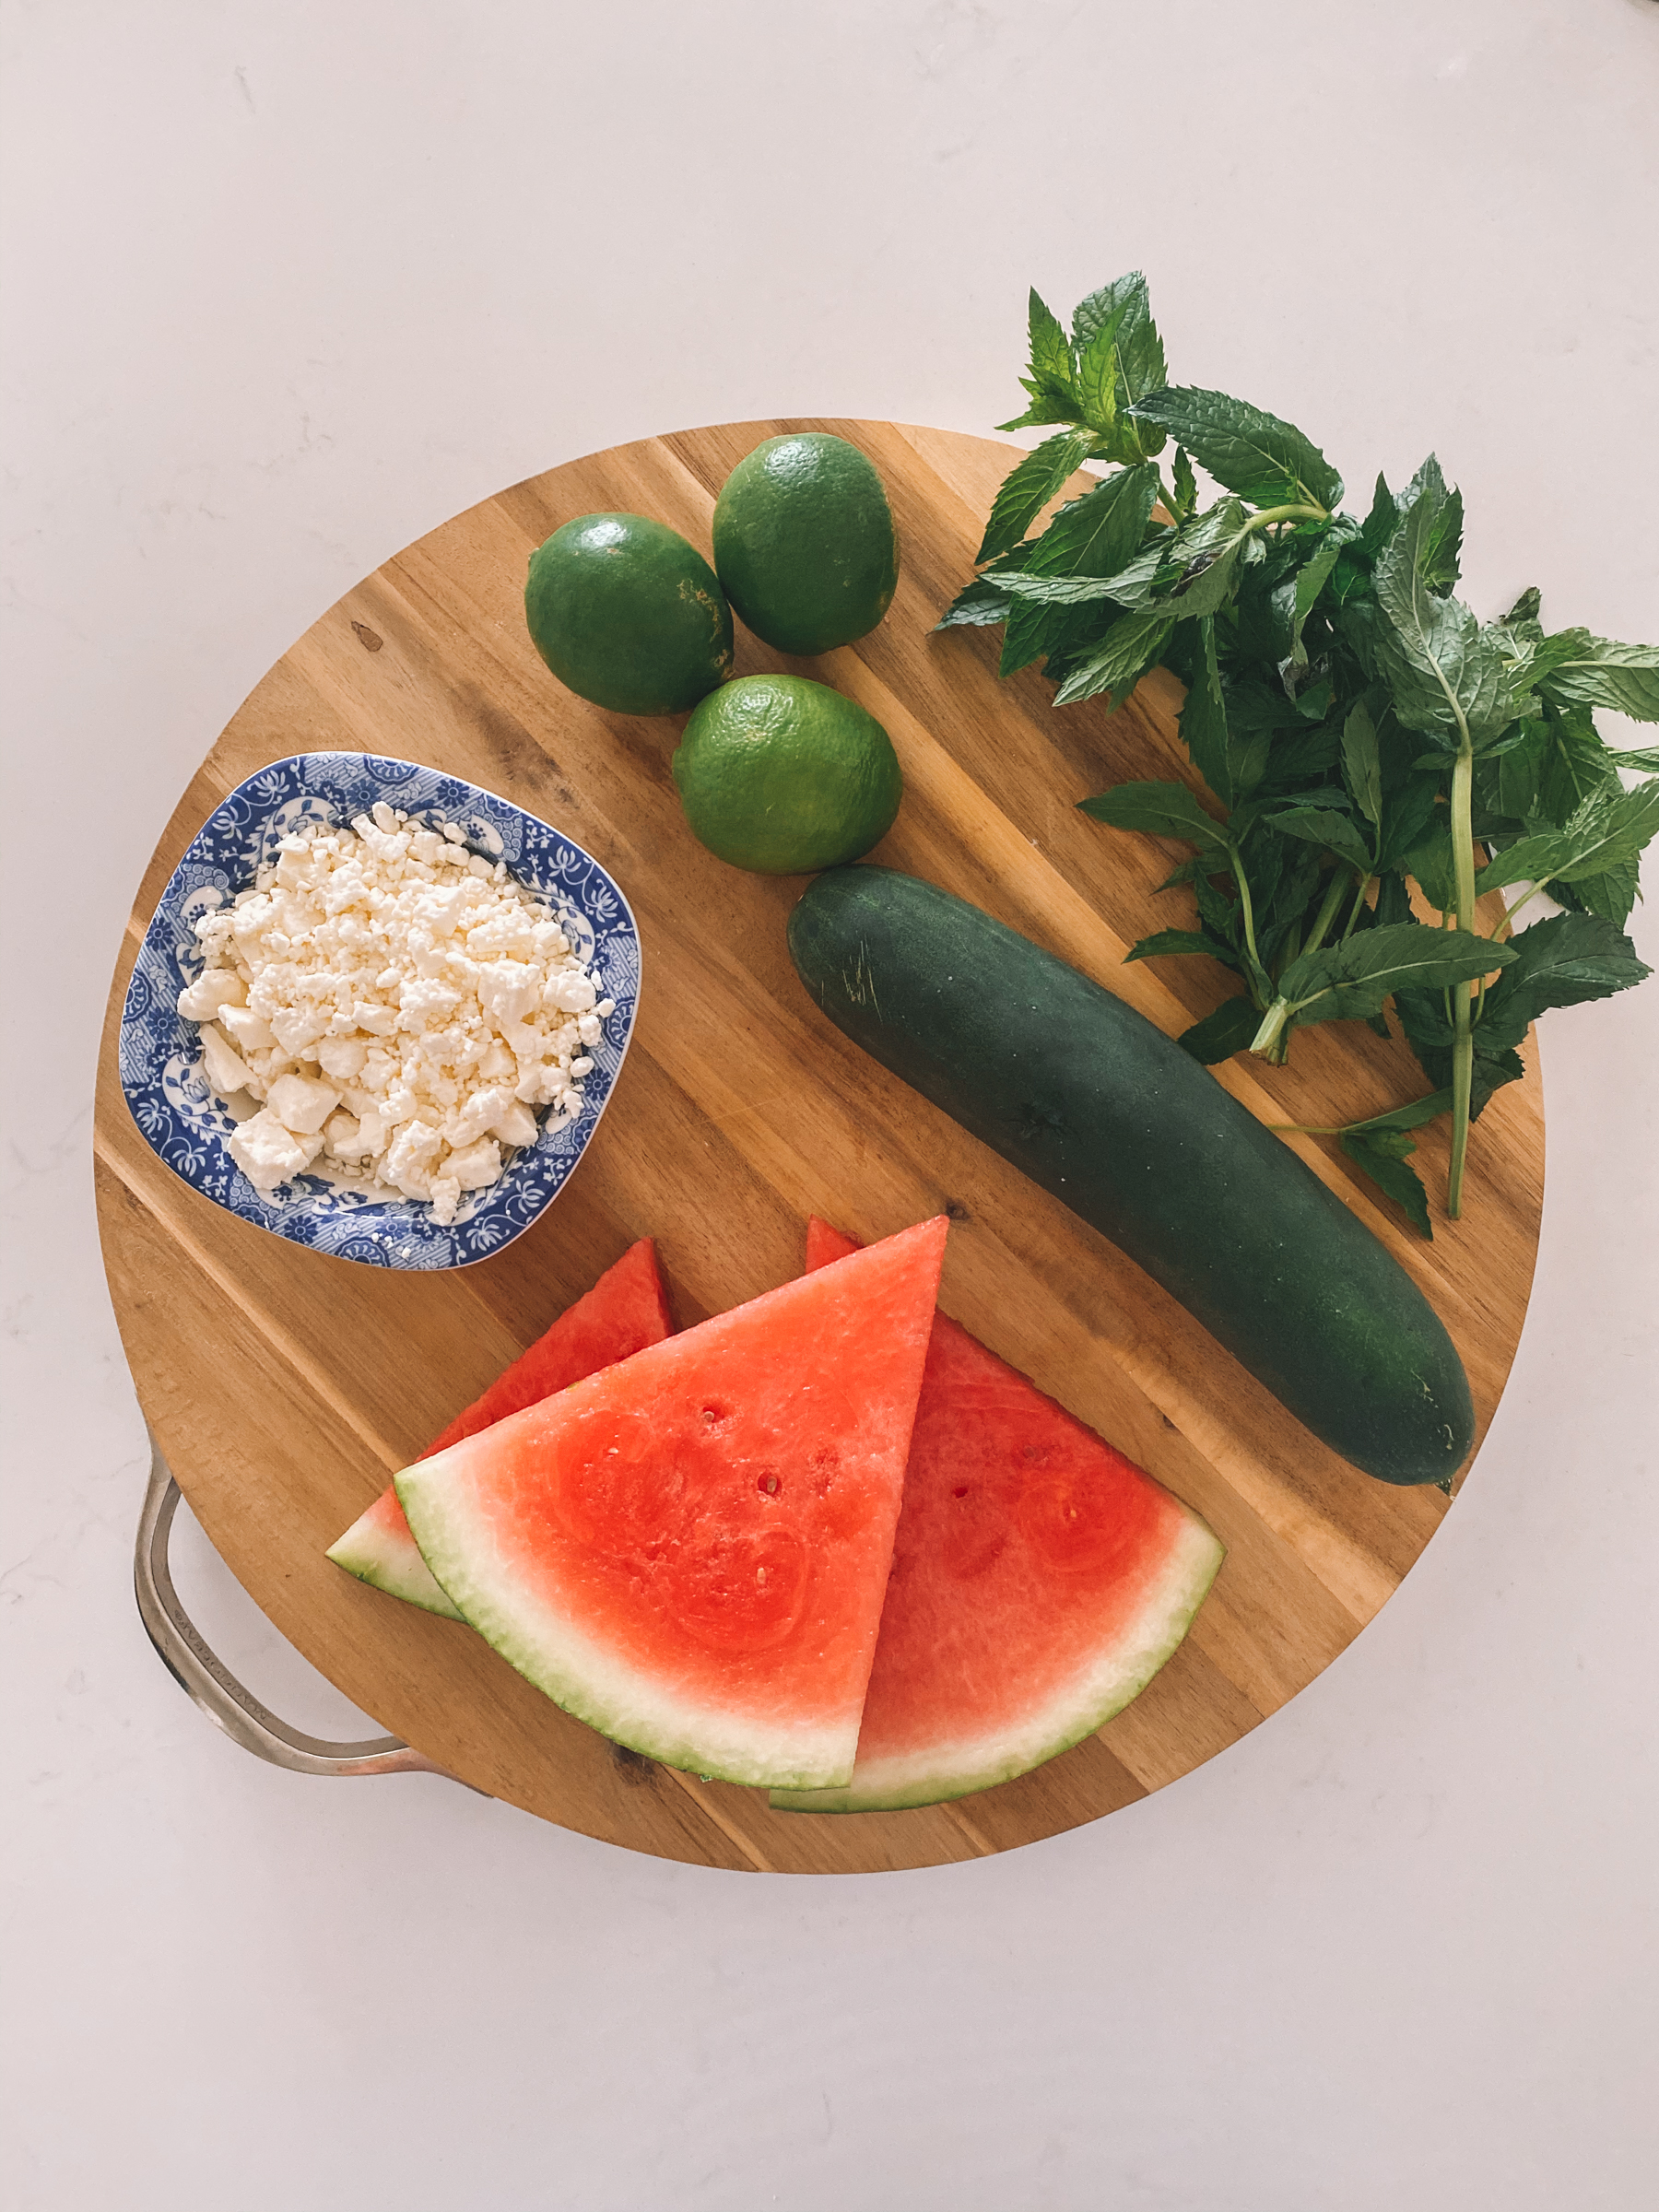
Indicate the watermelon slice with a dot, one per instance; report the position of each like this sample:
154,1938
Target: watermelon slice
688,1551
1040,1580
626,1310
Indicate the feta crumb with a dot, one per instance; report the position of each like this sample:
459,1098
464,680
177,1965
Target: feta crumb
245,1029
389,998
214,988
268,1153
300,1103
476,1167
221,1064
342,1057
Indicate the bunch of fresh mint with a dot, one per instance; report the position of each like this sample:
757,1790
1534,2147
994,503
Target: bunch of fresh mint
1359,728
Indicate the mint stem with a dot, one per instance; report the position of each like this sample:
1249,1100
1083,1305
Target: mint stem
1247,912
1327,912
1288,514
1355,909
1519,902
1463,1037
1273,1024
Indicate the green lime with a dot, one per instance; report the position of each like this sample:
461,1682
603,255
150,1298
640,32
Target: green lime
783,776
629,615
804,542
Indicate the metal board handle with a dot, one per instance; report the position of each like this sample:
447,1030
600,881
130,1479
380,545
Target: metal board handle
204,1676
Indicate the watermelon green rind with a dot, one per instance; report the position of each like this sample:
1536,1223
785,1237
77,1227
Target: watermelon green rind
379,1549
1114,1680
626,1310
579,1673
811,1391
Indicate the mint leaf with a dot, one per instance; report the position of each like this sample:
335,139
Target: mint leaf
1404,1117
1168,941
1622,677
1230,765
1384,1162
1423,1018
1050,382
1573,764
1430,861
1323,826
1310,582
1204,717
1393,901
1221,1034
1207,591
1031,632
1444,670
1097,380
1611,894
1530,859
1644,762
1160,569
1029,487
1443,538
1362,763
1042,408
1537,657
1518,771
1382,521
1353,979
1097,534
1561,962
1265,461
1050,348
1122,657
1526,608
1158,810
1140,349
983,601
1184,485
1409,812
1209,537
1610,829
1062,591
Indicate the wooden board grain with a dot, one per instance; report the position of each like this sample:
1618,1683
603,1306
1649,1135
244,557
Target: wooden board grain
286,1386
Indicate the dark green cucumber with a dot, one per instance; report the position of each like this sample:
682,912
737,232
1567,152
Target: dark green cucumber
1096,1105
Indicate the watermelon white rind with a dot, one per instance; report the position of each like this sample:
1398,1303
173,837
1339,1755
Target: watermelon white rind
688,1550
590,1681
379,1549
1117,1673
626,1310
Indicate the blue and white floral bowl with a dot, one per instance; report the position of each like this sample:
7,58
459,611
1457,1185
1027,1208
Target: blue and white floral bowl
160,1052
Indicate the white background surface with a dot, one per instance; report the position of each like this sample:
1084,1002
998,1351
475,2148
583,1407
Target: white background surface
286,287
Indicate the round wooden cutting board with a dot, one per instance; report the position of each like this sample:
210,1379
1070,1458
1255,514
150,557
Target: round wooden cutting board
286,1386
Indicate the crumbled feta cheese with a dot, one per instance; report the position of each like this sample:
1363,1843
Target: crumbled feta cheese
268,1153
393,1001
411,1156
245,1029
342,1057
214,988
476,1167
300,1103
222,1063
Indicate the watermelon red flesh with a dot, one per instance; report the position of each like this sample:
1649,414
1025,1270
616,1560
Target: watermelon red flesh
626,1310
1039,1579
688,1551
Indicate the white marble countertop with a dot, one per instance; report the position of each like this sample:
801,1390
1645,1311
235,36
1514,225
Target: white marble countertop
286,287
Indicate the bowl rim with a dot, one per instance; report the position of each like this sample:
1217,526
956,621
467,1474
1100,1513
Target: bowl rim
370,762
